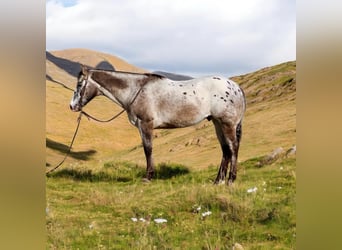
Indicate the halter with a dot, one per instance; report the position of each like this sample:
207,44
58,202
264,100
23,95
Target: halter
82,91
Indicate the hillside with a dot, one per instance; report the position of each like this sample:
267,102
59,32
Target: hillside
270,120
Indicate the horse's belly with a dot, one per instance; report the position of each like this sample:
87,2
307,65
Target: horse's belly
175,124
180,117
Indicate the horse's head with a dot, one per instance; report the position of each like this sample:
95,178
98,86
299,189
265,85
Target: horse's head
85,90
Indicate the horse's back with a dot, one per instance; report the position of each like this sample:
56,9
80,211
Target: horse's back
227,98
222,93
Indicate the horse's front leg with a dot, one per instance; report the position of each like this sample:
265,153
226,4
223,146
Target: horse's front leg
146,132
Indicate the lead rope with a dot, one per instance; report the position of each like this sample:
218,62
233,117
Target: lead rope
95,119
69,150
73,138
78,125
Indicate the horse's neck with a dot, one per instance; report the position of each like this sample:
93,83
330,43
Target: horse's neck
121,88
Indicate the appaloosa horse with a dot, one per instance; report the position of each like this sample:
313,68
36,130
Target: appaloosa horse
153,102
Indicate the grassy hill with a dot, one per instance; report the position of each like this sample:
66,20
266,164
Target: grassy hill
92,197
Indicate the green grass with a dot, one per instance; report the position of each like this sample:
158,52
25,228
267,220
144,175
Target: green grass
93,209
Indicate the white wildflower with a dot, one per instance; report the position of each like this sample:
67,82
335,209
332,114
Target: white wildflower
134,219
237,246
160,220
196,208
142,219
92,225
252,190
206,214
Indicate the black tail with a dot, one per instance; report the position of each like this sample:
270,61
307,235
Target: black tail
239,126
239,131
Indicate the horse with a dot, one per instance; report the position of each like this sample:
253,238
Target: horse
153,102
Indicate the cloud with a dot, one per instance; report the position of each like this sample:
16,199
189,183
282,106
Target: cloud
195,37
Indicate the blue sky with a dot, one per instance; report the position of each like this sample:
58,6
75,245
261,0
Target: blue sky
187,37
68,3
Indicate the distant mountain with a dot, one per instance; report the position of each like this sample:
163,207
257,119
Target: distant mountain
70,67
173,76
63,66
69,61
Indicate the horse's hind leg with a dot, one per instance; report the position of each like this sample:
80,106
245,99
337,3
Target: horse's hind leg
233,135
229,137
146,131
235,141
226,153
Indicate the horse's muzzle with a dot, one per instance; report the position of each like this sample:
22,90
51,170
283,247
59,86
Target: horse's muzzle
75,108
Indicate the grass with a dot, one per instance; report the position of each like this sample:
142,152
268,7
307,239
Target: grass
93,210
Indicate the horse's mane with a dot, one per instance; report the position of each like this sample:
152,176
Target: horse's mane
152,75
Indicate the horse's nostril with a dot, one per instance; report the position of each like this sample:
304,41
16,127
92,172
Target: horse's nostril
73,108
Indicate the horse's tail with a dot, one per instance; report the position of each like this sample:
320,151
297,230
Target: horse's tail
244,100
239,131
239,126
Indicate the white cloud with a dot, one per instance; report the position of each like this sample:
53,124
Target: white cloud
196,37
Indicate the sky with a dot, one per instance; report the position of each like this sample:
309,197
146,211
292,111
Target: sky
192,37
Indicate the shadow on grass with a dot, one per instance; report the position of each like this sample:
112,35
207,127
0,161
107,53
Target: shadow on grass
89,176
81,155
121,172
169,170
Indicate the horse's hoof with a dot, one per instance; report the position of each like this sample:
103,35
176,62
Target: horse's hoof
230,182
146,180
219,182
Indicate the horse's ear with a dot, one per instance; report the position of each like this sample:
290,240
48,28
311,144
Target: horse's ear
84,69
